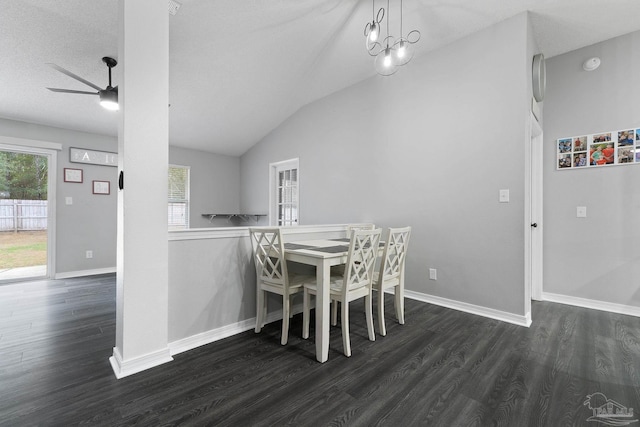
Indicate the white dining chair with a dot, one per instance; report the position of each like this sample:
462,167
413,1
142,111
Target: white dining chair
273,276
391,274
355,283
338,270
351,227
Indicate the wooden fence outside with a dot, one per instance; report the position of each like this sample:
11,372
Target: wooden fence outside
23,215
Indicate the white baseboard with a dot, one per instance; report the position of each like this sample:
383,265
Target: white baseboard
213,335
471,308
204,338
81,273
210,336
123,368
628,310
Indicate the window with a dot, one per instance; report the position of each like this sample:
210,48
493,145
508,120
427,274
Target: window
285,179
178,197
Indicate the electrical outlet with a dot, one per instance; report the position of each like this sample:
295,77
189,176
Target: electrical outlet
89,254
433,274
581,212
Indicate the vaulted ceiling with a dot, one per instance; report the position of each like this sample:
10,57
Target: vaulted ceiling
239,68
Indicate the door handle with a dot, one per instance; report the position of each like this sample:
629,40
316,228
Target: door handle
534,225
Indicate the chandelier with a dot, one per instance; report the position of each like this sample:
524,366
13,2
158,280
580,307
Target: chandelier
389,52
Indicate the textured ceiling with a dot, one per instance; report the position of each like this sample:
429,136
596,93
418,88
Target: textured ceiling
239,68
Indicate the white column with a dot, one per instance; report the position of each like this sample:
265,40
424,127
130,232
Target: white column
143,155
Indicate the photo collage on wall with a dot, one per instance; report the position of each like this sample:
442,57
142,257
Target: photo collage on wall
600,149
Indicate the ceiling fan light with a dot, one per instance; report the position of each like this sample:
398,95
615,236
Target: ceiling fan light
109,100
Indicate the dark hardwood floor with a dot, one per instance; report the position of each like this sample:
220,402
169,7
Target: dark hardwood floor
442,367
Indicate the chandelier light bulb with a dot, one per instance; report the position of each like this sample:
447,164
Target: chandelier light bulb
387,57
373,32
385,62
372,29
402,50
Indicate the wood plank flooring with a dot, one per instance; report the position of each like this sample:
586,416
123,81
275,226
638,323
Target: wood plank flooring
442,368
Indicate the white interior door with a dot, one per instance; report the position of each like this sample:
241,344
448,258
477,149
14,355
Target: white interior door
536,210
285,181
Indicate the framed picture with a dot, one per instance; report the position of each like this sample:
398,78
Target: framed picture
93,157
101,187
618,147
72,175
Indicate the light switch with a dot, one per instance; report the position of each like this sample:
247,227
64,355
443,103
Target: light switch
581,212
68,200
504,196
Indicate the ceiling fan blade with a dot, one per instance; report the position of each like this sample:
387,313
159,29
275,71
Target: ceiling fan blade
73,76
52,89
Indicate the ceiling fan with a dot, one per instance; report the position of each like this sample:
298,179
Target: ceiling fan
108,96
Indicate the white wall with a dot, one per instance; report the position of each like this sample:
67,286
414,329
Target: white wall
598,257
428,147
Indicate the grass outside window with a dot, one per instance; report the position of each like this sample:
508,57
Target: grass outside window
23,249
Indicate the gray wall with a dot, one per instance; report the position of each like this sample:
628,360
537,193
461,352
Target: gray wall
429,147
212,284
215,185
90,222
212,280
597,257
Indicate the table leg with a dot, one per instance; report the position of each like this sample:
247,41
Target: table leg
322,312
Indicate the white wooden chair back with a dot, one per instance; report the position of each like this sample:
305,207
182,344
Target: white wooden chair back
394,254
352,227
268,251
363,252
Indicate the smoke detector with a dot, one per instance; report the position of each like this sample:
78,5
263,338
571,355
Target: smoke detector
591,64
173,7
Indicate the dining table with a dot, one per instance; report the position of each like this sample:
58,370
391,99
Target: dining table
323,254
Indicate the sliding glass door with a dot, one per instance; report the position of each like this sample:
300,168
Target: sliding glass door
25,206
